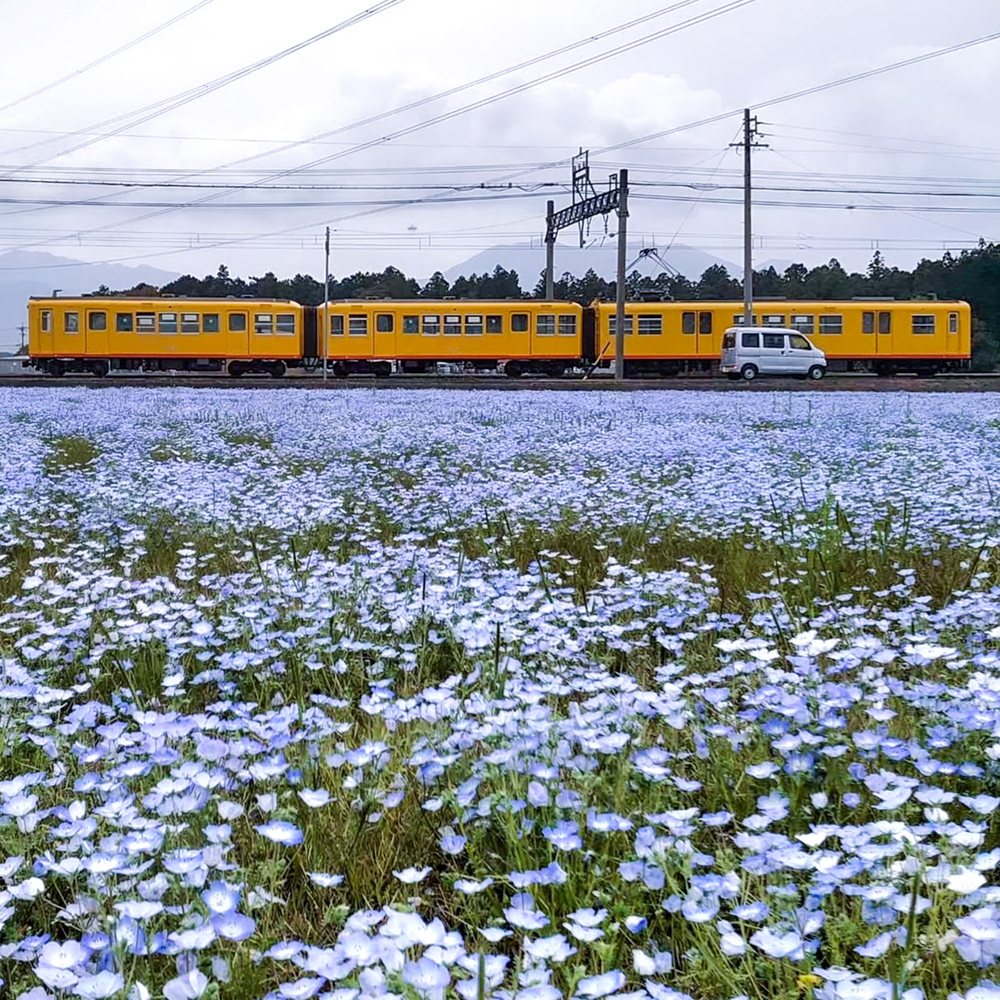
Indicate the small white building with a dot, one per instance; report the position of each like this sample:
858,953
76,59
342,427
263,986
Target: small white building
13,366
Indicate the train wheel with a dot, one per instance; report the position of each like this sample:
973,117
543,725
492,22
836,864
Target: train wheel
276,369
57,368
340,369
237,369
100,368
748,373
383,369
513,369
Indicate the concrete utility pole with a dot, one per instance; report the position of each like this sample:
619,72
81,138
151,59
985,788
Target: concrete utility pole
325,332
22,328
749,133
550,252
620,286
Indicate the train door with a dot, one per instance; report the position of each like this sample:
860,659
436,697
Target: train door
707,346
237,335
385,335
97,332
884,337
42,326
953,339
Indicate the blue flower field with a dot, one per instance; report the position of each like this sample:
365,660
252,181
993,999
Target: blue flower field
444,696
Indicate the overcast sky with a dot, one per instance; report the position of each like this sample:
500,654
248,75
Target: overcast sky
898,155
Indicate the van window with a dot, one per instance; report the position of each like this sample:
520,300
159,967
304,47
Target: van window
728,341
798,342
750,340
774,341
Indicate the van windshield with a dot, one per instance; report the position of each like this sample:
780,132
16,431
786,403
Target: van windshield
799,343
728,341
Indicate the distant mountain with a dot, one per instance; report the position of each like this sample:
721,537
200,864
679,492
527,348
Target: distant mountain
27,273
529,262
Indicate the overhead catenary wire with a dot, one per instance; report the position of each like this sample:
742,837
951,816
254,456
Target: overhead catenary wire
93,64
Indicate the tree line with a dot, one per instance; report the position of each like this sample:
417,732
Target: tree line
972,275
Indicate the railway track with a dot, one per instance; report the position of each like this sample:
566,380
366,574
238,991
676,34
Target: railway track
980,382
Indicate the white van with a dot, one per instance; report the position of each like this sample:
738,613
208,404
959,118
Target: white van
749,351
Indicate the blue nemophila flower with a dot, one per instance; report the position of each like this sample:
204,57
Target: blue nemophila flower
220,897
300,989
314,797
427,977
601,985
565,835
470,887
779,945
187,986
325,880
233,926
410,876
280,832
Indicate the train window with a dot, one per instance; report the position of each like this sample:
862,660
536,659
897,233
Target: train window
868,322
453,326
774,319
885,322
191,323
411,324
953,322
774,341
263,324
237,322
431,326
567,326
738,319
519,323
285,324
803,322
336,326
123,322
46,321
384,323
923,323
168,322
145,322
210,322
687,323
545,326
97,321
494,324
474,325
831,324
704,323
750,339
71,322
613,325
357,325
651,326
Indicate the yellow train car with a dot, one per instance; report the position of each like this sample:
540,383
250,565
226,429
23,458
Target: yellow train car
884,336
98,335
526,336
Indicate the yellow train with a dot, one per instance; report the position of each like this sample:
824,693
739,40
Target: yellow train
94,334
529,336
884,336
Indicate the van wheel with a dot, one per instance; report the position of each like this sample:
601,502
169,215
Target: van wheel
816,372
748,373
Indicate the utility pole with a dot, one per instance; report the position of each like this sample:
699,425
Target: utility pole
325,332
550,252
620,285
749,134
22,328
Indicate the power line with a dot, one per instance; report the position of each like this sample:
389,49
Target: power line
108,55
